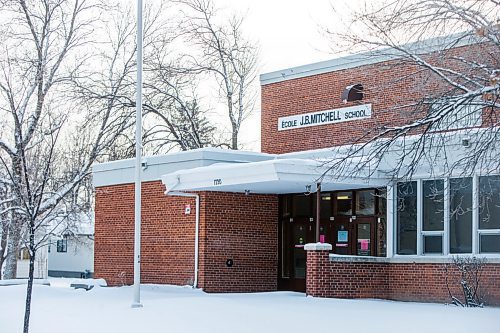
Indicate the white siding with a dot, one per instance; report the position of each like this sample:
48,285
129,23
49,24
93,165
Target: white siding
78,258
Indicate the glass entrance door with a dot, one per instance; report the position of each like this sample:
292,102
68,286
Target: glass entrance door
342,235
363,242
300,237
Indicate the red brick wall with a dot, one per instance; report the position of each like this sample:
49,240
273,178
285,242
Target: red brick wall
387,85
235,226
244,229
167,242
423,282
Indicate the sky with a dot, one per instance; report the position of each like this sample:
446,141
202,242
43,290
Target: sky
289,33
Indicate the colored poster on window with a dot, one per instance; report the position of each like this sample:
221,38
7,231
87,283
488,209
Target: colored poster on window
321,238
365,244
341,236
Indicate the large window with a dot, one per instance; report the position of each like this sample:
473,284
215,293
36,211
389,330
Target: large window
461,215
433,215
489,214
448,216
407,218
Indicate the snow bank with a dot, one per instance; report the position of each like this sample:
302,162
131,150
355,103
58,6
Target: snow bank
182,309
14,282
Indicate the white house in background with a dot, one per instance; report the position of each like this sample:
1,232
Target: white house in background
72,254
41,264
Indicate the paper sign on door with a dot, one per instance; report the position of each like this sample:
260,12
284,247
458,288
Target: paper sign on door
364,244
321,238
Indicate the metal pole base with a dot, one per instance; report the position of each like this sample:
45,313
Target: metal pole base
136,305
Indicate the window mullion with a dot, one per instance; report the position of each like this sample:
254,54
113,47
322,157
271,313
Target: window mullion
419,217
475,214
446,227
391,220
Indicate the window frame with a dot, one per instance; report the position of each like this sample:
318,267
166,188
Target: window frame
63,247
445,233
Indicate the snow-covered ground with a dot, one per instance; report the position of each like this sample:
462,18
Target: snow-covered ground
177,309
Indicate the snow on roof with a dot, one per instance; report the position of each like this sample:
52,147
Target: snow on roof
272,177
75,224
121,172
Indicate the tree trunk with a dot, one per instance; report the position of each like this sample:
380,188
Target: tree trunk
3,245
12,250
234,140
29,291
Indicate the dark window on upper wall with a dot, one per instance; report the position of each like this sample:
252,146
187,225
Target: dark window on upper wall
286,205
461,215
326,204
62,245
344,203
302,205
365,202
407,218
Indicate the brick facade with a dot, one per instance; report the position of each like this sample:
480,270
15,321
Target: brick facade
424,282
245,229
167,242
232,226
387,86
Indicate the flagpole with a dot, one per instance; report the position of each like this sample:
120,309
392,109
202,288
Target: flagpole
138,167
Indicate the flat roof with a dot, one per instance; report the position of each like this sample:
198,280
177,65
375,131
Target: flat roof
121,171
276,176
367,58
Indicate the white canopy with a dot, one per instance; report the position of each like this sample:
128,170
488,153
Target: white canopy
277,176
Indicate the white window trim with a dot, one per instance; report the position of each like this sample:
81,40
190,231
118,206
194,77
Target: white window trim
420,217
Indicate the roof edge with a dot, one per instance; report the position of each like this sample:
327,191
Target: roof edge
367,58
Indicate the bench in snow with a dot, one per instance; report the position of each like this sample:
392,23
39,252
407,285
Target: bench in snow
87,287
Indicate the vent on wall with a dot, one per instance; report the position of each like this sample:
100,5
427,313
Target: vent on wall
352,93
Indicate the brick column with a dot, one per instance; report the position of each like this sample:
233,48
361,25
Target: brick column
317,261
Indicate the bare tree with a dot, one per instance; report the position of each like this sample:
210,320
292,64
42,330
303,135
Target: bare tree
226,54
44,172
468,280
459,90
5,207
178,120
174,118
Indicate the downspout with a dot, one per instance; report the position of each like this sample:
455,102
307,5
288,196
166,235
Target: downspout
197,226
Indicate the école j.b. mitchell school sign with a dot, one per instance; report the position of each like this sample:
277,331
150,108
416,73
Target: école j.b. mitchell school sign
325,117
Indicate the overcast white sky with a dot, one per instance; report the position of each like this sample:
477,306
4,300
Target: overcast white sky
288,31
289,34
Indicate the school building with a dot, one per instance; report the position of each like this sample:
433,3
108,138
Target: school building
311,212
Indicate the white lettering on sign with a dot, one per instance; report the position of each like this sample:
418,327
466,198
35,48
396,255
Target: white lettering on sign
325,117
